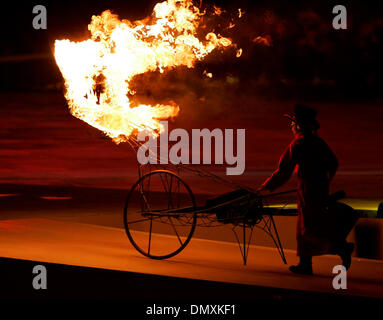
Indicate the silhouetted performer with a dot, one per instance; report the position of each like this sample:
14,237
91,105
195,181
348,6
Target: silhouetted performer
315,165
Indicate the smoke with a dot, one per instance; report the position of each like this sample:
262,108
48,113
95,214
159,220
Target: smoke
195,92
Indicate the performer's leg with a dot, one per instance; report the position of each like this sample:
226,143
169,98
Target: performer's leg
345,254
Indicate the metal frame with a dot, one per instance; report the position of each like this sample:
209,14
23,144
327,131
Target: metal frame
207,215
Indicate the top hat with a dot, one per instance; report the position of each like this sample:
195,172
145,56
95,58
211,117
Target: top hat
304,116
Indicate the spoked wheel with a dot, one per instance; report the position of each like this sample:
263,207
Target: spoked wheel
159,214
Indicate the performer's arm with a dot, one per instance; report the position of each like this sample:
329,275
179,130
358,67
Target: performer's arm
285,169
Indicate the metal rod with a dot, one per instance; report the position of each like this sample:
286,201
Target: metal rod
277,193
279,241
244,244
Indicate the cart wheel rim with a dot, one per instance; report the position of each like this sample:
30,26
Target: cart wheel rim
154,217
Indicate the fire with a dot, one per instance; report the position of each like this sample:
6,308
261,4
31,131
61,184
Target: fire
98,71
263,40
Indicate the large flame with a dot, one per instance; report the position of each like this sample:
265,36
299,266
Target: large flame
98,71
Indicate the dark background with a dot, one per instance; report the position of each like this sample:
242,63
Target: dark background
338,72
306,56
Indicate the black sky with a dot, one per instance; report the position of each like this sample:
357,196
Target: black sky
305,53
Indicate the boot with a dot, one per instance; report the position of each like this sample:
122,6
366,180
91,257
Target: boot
304,267
345,254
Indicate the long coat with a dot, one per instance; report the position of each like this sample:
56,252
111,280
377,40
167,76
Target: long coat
315,165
